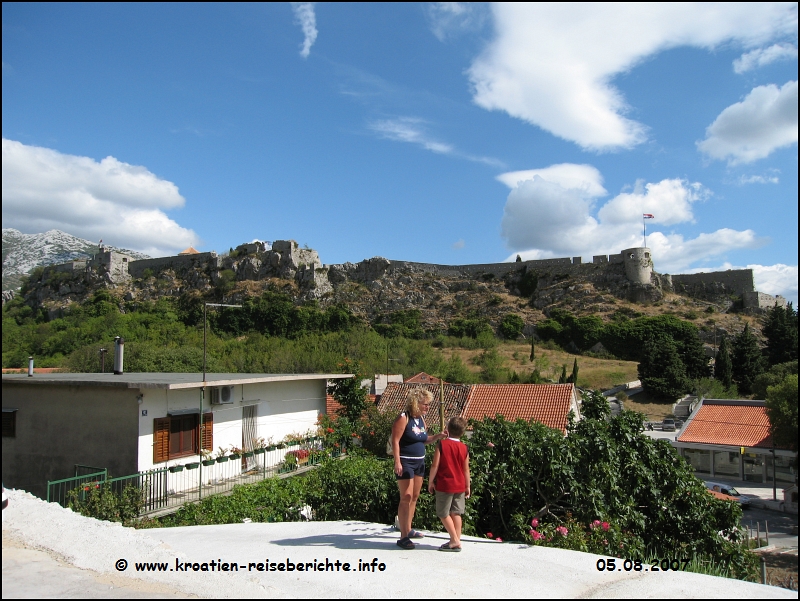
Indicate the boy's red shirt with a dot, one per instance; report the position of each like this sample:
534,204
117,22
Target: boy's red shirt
452,458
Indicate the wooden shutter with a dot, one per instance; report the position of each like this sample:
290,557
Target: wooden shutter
207,435
160,439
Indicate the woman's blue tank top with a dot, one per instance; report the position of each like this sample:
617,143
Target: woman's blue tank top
412,443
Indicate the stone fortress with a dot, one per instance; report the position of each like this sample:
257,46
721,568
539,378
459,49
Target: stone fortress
629,274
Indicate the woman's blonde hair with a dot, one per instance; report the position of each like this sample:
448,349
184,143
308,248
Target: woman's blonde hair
414,398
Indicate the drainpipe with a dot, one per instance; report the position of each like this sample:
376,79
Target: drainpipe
119,350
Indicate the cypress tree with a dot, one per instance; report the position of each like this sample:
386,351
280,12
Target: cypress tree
661,371
780,329
532,349
722,369
746,360
563,378
574,377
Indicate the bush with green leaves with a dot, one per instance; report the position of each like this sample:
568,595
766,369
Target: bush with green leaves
511,326
99,500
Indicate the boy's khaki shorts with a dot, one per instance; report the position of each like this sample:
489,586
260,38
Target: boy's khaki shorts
448,503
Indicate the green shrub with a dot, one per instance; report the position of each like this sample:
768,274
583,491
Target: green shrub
512,325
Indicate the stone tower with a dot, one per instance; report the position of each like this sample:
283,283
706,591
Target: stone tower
638,265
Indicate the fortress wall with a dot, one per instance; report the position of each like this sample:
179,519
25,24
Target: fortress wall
69,267
180,262
496,269
737,281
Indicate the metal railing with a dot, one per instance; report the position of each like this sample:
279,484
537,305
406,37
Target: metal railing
168,488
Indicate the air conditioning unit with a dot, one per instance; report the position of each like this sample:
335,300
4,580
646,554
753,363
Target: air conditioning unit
222,395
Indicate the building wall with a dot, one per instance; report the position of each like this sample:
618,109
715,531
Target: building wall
761,300
283,408
60,426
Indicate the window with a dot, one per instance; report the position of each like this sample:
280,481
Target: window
9,423
178,436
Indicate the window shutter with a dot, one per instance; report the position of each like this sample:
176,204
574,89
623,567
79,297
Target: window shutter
207,435
160,439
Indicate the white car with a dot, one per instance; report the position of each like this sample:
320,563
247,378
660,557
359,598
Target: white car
727,489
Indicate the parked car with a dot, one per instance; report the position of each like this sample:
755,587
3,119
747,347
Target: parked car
678,424
668,425
727,489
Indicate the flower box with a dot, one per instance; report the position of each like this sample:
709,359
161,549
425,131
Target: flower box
192,466
271,447
234,456
222,459
176,468
208,462
260,451
248,454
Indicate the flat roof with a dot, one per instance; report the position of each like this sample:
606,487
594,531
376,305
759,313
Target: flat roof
170,381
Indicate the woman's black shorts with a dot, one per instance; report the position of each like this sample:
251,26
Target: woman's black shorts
411,468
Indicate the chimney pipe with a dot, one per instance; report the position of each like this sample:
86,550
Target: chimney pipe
30,367
119,349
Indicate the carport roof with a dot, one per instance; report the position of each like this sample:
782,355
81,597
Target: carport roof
169,381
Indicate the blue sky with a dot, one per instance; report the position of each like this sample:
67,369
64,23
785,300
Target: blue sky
442,132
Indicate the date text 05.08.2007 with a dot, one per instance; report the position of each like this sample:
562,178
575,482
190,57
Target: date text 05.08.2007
613,564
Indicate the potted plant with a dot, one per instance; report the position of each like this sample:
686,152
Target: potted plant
175,468
259,446
192,465
289,463
207,459
221,458
235,452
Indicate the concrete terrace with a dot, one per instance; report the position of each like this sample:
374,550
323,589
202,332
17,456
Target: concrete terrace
49,551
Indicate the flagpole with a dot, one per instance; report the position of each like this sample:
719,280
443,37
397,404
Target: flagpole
644,229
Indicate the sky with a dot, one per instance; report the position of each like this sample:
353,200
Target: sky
443,132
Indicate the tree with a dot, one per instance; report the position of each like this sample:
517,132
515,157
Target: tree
774,376
563,378
746,360
782,411
573,378
533,354
695,359
348,392
661,371
723,368
780,328
511,326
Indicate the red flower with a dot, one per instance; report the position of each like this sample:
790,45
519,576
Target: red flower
536,535
489,535
490,445
330,430
562,530
605,526
535,522
499,540
595,524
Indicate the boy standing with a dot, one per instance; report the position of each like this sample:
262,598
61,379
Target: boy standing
450,478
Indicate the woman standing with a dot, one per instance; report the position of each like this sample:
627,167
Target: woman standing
409,438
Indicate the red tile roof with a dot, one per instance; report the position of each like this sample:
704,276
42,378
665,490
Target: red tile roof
549,404
395,396
731,423
332,406
423,378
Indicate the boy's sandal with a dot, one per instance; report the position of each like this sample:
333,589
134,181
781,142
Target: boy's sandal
447,547
415,534
405,543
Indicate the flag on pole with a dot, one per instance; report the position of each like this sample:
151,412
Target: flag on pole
648,216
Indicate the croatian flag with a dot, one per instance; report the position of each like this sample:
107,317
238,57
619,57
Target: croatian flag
648,216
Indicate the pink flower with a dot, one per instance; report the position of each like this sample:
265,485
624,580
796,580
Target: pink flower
605,542
490,445
536,535
605,526
562,530
499,540
595,524
535,522
489,535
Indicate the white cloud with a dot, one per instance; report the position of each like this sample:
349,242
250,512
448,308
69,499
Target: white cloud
584,178
458,244
751,129
552,64
447,18
544,219
413,131
44,189
304,13
758,179
764,56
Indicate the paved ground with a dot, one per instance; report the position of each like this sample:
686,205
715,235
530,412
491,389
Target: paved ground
52,552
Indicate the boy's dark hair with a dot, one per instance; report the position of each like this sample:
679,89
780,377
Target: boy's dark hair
456,426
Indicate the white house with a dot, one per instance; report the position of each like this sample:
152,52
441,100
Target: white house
129,423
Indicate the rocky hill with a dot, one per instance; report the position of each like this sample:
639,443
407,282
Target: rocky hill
24,252
382,292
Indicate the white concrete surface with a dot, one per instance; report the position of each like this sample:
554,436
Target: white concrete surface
483,569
